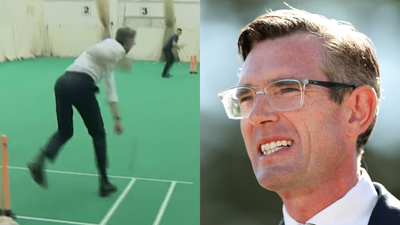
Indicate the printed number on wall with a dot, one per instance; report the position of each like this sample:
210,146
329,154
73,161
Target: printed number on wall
144,10
86,9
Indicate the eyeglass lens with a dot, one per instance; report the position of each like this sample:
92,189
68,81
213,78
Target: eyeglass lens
282,95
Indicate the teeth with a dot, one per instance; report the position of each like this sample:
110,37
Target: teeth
272,147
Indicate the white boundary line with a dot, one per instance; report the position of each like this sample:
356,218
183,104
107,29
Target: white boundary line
157,220
53,221
116,204
161,212
96,175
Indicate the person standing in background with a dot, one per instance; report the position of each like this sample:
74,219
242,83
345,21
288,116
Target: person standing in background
168,52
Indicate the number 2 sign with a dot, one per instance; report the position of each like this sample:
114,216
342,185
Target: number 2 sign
86,10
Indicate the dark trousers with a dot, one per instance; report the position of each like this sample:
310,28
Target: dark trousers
169,57
78,90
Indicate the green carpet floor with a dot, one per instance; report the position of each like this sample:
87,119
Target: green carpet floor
155,162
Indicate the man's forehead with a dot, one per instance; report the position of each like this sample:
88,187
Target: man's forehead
288,57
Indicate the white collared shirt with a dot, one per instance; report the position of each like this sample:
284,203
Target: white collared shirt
355,208
98,62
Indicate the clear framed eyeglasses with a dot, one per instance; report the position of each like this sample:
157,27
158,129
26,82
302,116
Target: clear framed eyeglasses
282,95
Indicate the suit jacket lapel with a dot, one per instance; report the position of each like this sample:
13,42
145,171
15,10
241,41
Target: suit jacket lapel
387,208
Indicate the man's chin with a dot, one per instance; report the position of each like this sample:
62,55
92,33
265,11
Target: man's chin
275,181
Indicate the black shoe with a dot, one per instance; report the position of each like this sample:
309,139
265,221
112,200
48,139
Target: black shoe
10,214
38,174
107,188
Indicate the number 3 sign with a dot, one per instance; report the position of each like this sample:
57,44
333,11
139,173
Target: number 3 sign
144,11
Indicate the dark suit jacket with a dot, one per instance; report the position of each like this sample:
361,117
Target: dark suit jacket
386,211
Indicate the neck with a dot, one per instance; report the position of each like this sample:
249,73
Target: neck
304,203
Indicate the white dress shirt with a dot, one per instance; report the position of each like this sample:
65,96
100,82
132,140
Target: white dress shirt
355,208
98,62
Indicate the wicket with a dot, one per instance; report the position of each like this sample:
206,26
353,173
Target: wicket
193,64
7,206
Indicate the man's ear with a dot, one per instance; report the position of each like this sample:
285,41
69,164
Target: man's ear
362,105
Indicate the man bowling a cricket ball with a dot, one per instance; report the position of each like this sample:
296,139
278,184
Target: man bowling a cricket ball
76,87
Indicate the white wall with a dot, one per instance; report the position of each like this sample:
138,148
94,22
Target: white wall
70,29
188,18
61,28
21,35
150,37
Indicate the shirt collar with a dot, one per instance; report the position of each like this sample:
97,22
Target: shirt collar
115,45
355,208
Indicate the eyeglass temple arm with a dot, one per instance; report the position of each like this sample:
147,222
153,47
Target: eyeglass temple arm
331,85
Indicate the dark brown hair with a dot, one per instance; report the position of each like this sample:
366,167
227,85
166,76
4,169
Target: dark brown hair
124,34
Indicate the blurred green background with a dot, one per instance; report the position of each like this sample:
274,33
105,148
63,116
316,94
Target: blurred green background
230,193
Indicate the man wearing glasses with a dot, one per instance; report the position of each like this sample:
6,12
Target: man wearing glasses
307,99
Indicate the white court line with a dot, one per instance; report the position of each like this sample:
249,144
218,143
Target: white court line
96,175
53,221
116,204
164,204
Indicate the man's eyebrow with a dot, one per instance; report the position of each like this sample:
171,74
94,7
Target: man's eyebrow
242,92
244,85
286,77
273,80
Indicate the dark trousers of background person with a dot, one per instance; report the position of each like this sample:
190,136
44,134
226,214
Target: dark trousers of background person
78,90
169,57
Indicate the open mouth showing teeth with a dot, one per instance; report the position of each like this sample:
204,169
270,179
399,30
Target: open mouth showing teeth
274,146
